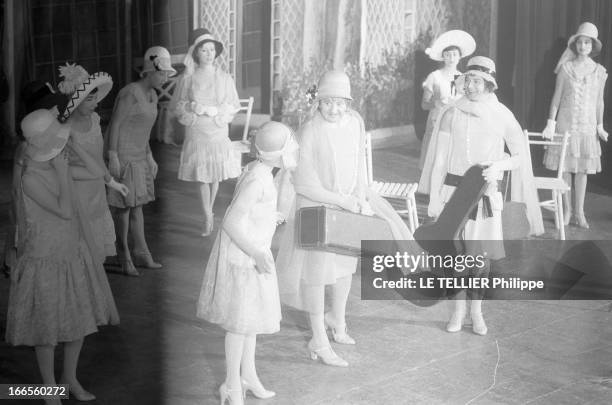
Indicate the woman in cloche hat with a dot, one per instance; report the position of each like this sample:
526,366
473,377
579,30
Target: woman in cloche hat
130,157
331,171
205,101
475,130
439,88
578,106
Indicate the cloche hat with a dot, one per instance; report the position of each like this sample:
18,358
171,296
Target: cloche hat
157,58
334,83
479,66
38,94
587,29
200,35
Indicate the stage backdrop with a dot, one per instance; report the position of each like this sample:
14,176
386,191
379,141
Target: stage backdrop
541,31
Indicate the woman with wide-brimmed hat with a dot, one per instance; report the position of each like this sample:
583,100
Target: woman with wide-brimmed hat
578,106
206,101
439,87
84,92
474,131
131,160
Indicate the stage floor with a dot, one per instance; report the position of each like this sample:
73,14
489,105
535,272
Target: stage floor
536,352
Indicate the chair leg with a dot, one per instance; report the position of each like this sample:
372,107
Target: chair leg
559,200
410,216
414,211
558,219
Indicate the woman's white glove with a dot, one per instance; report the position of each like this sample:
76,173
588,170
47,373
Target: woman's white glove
152,164
187,119
119,187
211,111
113,164
197,108
493,172
603,134
264,261
549,131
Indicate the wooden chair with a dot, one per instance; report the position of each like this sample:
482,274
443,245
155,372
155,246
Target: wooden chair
400,191
556,185
243,146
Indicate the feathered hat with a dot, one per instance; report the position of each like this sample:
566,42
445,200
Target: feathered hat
77,84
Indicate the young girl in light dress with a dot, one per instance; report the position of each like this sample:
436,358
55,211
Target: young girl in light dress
439,88
205,101
58,294
578,107
240,291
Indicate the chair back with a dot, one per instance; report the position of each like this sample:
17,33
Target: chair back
246,105
368,156
558,141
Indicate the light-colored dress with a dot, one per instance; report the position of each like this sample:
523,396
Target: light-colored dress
234,294
58,292
578,115
132,148
207,155
332,160
92,192
443,91
479,131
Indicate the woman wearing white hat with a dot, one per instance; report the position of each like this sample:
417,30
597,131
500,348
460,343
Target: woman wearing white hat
130,157
87,166
474,130
58,295
439,88
331,171
206,101
578,107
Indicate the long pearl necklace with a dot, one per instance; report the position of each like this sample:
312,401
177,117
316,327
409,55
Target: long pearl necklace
353,182
467,143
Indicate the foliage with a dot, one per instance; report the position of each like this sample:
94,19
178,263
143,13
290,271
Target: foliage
382,93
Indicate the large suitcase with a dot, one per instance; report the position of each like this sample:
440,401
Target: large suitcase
338,231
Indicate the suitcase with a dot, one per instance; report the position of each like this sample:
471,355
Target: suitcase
337,231
443,237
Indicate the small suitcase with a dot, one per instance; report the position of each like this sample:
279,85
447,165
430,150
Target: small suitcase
338,231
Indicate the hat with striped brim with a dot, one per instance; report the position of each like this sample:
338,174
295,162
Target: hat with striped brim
78,84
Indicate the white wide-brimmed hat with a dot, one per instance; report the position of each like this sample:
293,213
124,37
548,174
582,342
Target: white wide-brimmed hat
77,84
157,58
45,135
479,66
587,29
461,39
334,83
